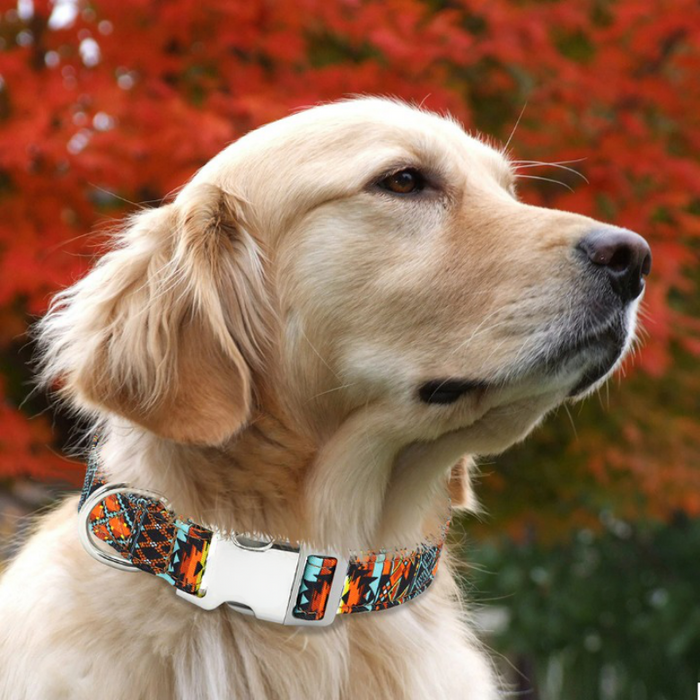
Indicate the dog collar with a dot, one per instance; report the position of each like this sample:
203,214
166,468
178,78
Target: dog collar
276,581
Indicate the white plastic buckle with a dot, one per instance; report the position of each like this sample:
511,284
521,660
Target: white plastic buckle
256,577
262,579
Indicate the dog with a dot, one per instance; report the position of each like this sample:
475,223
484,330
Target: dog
301,352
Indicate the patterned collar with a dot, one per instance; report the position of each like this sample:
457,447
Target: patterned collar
275,581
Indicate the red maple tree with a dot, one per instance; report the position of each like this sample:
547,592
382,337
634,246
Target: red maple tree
107,105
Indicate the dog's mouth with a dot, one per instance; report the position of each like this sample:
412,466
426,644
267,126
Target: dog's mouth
595,354
448,390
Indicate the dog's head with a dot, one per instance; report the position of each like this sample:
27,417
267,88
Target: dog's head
362,258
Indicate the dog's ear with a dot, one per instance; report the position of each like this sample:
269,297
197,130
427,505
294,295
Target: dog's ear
460,486
169,327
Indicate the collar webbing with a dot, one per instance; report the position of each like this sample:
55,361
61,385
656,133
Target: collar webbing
146,533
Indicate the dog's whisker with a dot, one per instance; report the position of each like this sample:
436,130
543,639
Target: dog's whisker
571,420
552,162
552,165
475,333
512,133
545,179
318,354
328,391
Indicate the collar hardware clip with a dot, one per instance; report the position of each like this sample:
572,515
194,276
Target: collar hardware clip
255,576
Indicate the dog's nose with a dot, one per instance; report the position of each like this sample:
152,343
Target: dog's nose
625,256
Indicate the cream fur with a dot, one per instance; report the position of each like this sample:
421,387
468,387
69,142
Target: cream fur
252,351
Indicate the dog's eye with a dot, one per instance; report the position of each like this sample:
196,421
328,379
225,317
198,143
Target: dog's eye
405,181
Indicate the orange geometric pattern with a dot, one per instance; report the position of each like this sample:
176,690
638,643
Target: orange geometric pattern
154,539
146,533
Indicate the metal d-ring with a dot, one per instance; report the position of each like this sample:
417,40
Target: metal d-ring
85,531
252,544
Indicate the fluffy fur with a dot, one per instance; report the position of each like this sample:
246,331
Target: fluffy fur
252,351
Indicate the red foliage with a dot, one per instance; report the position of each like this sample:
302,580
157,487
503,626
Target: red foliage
121,102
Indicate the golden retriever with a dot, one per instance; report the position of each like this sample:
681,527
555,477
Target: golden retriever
306,343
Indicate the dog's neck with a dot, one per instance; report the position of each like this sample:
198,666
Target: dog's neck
341,492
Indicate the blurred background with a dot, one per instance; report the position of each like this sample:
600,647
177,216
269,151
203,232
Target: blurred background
585,567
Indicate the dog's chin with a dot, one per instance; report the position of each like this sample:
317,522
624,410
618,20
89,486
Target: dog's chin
577,363
506,422
600,360
569,370
595,375
504,409
519,408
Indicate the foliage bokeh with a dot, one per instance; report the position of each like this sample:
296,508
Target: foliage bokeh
110,105
607,615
